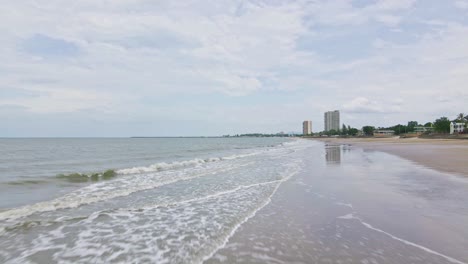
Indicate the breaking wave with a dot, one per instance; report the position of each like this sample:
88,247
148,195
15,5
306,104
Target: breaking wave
80,177
162,166
149,178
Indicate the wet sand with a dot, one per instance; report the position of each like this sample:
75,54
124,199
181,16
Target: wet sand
447,155
350,205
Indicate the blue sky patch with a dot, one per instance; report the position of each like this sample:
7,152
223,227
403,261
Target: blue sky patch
45,46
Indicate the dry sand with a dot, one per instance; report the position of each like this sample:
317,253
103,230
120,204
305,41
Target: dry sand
448,155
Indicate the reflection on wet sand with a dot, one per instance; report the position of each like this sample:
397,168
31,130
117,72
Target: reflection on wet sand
333,154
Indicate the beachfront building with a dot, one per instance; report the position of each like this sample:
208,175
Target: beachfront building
423,129
332,120
307,127
383,133
456,128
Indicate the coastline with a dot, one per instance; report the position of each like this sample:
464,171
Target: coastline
445,155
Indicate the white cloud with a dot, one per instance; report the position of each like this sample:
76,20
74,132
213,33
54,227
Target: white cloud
245,45
338,13
133,52
363,105
61,100
389,20
392,5
462,4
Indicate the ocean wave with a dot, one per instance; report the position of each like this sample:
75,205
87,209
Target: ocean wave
162,166
210,219
82,177
150,177
27,224
230,190
103,191
75,177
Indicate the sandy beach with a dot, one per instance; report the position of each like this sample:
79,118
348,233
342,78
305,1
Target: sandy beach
447,155
356,205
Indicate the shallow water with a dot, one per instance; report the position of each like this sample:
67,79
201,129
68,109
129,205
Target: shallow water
37,169
247,201
173,211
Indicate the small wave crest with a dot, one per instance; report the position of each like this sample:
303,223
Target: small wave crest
82,177
78,177
118,188
162,166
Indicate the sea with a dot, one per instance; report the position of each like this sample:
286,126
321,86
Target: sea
224,200
133,200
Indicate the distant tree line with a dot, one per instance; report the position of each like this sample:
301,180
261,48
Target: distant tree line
260,135
440,125
403,129
344,131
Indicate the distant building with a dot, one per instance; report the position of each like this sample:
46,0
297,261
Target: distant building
307,127
332,120
456,128
383,133
422,129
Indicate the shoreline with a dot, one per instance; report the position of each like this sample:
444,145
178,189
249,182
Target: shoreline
445,155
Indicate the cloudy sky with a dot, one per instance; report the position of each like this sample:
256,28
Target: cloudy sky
144,67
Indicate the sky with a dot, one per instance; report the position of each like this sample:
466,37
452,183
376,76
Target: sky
122,68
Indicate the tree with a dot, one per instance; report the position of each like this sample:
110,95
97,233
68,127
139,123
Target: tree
368,130
460,117
428,124
442,125
399,129
411,125
353,131
344,130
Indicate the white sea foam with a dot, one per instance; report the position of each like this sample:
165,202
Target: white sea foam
137,179
345,204
211,196
252,214
450,259
347,216
161,166
191,230
123,186
178,164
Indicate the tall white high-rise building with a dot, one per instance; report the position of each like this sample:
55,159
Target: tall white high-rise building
307,127
332,120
